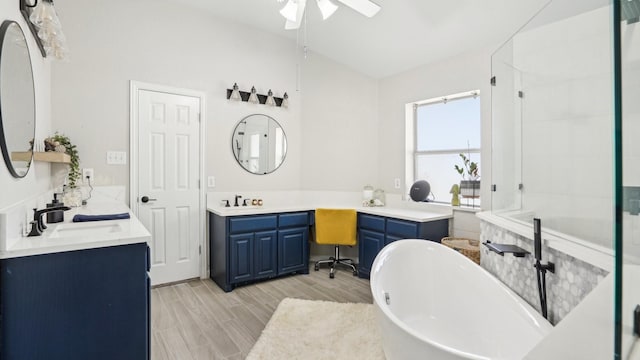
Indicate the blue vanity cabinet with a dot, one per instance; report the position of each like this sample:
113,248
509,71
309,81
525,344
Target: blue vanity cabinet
371,237
241,257
265,254
253,247
253,256
375,232
369,244
401,229
84,304
293,242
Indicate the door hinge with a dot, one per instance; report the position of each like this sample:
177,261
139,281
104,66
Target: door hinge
199,249
199,117
494,187
520,94
198,183
493,81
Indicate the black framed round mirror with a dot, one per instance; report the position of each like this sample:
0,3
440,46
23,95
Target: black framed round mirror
17,100
259,144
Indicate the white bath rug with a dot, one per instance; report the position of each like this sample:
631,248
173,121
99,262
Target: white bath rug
308,329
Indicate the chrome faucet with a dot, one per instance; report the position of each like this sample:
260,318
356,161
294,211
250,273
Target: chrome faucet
236,202
37,225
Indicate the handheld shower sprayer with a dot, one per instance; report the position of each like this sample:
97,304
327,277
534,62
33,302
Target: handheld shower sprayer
537,239
541,269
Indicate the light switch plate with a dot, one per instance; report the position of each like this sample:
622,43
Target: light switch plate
116,157
211,181
396,183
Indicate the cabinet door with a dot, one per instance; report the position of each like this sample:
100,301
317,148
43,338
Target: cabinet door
241,257
371,243
402,229
293,250
391,238
85,304
265,260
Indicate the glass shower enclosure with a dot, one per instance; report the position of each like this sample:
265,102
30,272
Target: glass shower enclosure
565,116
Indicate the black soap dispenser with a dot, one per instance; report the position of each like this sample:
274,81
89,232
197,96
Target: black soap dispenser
55,216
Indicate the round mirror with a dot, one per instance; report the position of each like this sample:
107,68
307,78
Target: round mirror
259,144
17,100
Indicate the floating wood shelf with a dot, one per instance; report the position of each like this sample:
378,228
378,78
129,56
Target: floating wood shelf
49,156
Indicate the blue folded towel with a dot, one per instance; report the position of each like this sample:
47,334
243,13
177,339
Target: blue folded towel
83,218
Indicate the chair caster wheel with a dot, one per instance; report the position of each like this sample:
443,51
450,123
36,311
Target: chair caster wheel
355,272
332,275
316,268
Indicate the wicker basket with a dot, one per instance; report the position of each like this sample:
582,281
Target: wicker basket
467,247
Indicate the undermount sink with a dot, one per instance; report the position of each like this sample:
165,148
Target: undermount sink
84,230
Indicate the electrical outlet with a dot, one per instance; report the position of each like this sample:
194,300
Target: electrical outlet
116,157
396,183
87,174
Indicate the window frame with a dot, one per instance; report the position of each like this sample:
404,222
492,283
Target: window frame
414,151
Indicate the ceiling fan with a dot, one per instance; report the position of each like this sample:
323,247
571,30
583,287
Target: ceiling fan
293,11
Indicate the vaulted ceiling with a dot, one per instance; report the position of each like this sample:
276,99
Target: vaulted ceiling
403,35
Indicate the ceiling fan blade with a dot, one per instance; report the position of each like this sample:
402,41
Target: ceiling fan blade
364,7
292,25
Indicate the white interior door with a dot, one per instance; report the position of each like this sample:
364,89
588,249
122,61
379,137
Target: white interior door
168,195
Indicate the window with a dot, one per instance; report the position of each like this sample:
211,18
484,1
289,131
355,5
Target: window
443,128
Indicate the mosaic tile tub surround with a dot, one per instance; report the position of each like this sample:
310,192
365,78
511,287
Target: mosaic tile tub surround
571,282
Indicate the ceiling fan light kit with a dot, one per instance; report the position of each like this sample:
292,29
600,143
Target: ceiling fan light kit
290,10
327,8
293,10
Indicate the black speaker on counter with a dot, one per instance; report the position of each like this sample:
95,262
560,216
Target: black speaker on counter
420,190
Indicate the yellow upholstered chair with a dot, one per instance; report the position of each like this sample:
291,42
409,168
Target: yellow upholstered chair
336,227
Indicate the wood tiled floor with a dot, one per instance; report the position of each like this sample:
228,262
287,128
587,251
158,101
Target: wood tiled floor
197,320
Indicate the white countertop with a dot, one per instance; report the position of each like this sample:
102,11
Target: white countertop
398,213
130,231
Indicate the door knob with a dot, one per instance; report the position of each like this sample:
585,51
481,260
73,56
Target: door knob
145,199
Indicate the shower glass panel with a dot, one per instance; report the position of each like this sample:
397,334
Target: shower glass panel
552,143
628,120
565,120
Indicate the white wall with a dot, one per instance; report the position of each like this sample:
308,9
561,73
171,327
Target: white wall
114,42
340,127
465,225
458,74
188,48
38,178
567,127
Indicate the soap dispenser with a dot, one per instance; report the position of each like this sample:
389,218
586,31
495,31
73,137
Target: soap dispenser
55,216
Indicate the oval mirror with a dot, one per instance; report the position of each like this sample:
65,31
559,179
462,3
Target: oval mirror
17,100
259,144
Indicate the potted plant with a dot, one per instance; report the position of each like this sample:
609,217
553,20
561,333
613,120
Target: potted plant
62,143
470,183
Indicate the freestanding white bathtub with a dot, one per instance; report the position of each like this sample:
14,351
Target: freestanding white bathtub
434,303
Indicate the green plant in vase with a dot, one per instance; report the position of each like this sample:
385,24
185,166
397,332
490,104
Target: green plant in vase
470,184
72,151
